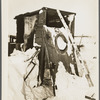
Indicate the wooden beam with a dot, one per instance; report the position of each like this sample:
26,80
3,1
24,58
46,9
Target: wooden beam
77,53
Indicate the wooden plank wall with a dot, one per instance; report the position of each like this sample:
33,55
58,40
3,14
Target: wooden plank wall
54,56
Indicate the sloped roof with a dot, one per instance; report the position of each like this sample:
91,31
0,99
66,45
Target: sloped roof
37,12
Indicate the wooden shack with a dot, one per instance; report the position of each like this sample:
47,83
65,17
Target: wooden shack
26,22
30,30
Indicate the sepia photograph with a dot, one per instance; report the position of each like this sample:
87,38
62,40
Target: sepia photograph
50,50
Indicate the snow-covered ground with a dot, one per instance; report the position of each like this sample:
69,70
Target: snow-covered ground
69,87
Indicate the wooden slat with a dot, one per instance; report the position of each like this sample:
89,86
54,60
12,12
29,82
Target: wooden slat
76,51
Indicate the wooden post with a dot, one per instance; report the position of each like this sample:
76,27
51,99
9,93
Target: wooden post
77,54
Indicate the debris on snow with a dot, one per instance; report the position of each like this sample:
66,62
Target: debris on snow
69,87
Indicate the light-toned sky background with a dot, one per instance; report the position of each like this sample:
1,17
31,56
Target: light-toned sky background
86,21
86,12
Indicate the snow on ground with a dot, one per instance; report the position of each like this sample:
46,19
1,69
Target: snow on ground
17,70
89,53
69,87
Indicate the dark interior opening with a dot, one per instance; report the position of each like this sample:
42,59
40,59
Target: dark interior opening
53,20
20,30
